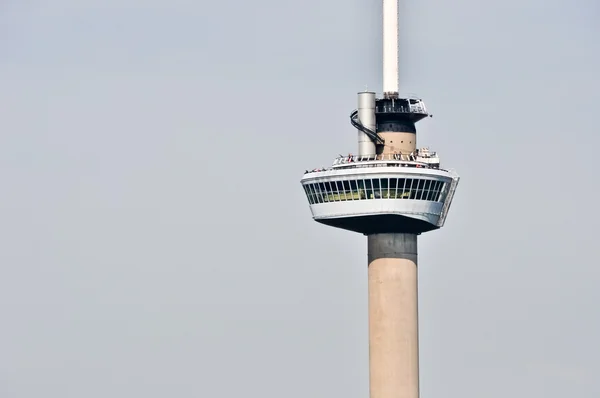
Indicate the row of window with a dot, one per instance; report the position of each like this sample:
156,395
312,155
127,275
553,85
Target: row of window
376,188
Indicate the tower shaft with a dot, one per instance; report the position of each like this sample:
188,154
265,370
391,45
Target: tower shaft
393,318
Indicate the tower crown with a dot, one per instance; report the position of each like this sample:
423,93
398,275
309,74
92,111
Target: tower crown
390,185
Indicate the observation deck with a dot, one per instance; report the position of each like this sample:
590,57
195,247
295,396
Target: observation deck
393,108
406,193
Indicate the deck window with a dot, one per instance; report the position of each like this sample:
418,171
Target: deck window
376,188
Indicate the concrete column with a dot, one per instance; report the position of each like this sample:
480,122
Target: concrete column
393,319
366,116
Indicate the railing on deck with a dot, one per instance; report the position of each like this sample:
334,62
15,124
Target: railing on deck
407,157
425,159
400,107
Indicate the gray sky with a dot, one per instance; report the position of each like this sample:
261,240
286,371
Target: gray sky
156,241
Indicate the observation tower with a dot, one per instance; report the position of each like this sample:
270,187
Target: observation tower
391,191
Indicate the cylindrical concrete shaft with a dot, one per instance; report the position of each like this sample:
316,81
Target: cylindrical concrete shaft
366,116
393,318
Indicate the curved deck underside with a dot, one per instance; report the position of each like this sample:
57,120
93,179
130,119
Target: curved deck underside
379,223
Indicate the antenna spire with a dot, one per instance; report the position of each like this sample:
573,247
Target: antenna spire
390,48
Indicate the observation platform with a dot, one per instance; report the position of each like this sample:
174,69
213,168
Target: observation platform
406,108
381,193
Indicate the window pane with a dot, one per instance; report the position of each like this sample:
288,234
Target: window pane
321,187
426,189
392,188
335,191
308,194
347,190
435,191
401,189
438,191
385,193
325,190
411,185
354,190
330,193
335,194
340,190
427,185
340,187
332,190
317,193
368,189
431,192
361,189
420,186
376,188
322,192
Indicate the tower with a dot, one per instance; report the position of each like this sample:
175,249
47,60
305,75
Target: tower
391,191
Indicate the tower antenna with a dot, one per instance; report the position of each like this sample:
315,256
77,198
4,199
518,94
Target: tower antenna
390,48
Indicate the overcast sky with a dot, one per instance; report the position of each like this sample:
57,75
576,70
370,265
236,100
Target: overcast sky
156,242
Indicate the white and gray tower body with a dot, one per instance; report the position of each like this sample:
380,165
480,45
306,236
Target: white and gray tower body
391,191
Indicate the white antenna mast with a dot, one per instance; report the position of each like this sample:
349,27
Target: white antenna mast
390,48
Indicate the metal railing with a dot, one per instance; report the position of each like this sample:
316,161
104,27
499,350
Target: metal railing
399,108
396,157
428,161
